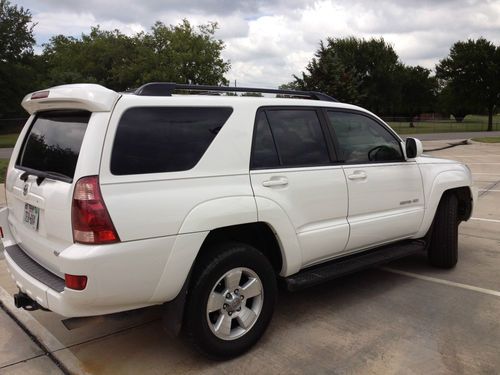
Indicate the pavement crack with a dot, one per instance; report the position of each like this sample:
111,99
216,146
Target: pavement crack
22,361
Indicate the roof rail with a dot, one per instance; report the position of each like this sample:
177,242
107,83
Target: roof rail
167,89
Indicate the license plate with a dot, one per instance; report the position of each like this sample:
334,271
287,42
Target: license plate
31,214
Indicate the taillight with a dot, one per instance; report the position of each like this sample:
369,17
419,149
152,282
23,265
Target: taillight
90,218
75,282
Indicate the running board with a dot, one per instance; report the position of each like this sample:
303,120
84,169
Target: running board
353,263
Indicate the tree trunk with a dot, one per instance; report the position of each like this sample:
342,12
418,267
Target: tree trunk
490,118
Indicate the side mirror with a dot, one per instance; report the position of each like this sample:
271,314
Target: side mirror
414,148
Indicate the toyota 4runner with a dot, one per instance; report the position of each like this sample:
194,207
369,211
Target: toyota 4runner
117,201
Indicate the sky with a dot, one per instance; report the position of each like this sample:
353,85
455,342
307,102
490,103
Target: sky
269,41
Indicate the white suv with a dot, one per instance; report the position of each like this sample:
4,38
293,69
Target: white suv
120,201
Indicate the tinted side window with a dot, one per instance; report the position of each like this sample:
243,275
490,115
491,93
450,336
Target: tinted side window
53,142
363,140
264,154
298,136
164,139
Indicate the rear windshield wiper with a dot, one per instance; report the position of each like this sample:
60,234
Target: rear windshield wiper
58,176
42,175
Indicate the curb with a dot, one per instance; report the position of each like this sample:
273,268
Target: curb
471,141
66,361
450,145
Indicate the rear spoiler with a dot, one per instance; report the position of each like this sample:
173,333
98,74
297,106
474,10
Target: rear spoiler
85,96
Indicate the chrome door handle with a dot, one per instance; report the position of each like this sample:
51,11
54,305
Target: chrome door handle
358,175
282,181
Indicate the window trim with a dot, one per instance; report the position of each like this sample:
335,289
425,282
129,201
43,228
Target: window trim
331,150
377,121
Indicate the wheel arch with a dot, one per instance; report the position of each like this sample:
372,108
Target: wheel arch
455,181
257,234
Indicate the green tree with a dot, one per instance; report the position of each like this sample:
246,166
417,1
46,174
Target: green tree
16,32
471,74
418,91
459,105
289,86
109,58
355,70
328,73
179,53
185,54
17,72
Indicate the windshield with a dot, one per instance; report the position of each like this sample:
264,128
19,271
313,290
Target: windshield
53,142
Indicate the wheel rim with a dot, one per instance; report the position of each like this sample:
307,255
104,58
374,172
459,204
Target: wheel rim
235,303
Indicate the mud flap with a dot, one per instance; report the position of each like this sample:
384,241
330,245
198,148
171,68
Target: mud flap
173,313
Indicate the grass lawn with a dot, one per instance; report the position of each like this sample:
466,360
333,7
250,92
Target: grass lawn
471,123
8,140
487,139
3,168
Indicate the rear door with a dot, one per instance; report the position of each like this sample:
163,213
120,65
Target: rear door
40,184
386,200
294,166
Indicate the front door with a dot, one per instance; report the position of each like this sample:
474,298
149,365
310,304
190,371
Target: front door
386,200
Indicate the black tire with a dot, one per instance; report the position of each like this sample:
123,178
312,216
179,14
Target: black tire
443,249
208,272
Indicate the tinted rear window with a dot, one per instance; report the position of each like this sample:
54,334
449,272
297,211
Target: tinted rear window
164,139
53,142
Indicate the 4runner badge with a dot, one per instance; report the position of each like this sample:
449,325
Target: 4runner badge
25,189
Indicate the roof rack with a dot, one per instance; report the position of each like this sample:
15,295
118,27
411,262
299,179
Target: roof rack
167,89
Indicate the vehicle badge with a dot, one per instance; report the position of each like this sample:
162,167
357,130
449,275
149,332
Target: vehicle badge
25,189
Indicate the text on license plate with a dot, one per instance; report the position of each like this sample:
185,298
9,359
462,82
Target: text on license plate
31,214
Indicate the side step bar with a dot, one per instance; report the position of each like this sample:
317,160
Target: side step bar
350,264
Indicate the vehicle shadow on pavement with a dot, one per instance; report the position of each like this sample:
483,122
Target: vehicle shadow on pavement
305,329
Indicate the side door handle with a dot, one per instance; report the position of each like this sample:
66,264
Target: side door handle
358,175
280,181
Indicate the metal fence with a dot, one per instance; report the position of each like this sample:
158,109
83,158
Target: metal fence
472,123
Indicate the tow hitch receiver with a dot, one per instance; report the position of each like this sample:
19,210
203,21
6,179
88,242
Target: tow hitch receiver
22,300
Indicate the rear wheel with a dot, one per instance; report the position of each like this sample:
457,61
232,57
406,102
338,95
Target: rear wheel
231,301
443,249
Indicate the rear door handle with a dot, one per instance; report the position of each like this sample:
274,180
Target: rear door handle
358,175
281,181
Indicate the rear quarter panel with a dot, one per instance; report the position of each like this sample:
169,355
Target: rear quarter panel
158,204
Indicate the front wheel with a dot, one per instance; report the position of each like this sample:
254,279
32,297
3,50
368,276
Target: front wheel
231,301
443,249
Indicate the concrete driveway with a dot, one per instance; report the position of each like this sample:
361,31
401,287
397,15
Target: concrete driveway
403,318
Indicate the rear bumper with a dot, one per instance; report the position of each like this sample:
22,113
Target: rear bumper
121,277
68,303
